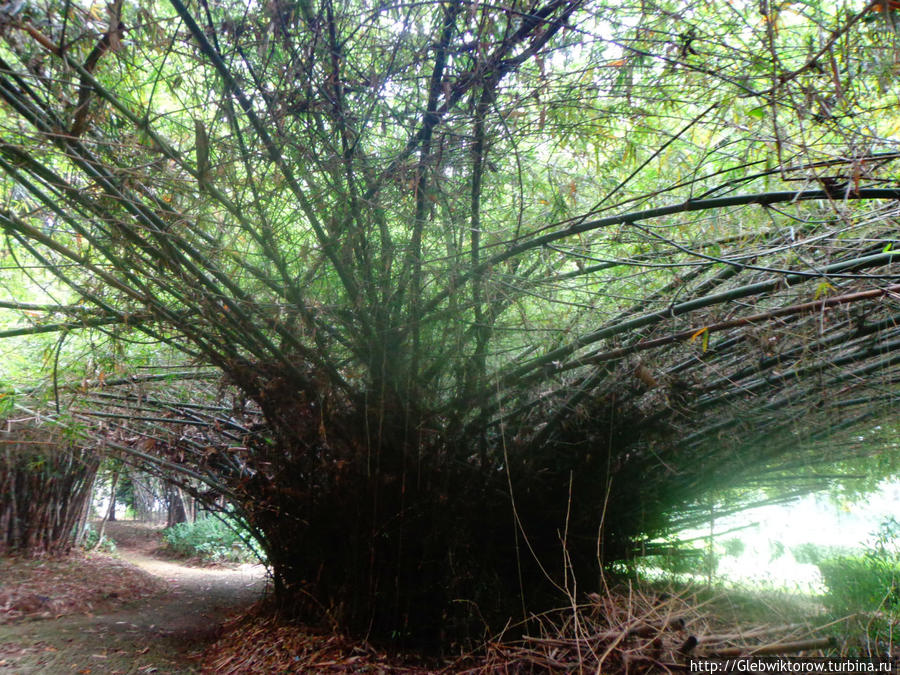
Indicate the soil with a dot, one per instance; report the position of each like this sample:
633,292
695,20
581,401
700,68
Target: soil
163,634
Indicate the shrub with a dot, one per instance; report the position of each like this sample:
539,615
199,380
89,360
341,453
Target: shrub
734,547
813,554
90,537
212,539
867,586
864,583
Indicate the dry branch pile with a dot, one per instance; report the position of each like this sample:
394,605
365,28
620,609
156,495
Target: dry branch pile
625,631
632,631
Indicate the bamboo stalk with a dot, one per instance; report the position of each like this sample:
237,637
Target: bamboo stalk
773,648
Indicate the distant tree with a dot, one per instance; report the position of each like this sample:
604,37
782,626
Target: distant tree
113,485
175,512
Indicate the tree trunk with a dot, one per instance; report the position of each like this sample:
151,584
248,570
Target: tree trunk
144,498
85,515
190,506
111,513
176,513
390,545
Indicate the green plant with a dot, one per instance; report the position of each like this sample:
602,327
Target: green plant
864,583
213,539
867,585
813,554
733,547
675,561
89,541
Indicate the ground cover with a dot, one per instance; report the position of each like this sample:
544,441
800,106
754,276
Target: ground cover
161,631
630,628
82,584
145,612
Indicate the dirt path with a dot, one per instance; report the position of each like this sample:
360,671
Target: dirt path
155,635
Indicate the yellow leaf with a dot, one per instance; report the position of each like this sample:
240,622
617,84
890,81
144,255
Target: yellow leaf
700,332
823,289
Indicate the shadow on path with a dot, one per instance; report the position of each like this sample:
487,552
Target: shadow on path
154,635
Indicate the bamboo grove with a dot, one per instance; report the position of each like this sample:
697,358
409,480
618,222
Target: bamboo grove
455,302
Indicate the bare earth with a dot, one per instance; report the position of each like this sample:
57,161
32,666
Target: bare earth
161,634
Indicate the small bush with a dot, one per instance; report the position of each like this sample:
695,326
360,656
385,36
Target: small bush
868,582
213,540
813,554
90,537
865,583
867,586
734,547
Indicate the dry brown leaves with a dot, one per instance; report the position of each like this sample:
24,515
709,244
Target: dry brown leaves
48,588
259,643
625,630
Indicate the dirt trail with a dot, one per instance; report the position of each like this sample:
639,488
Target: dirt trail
155,635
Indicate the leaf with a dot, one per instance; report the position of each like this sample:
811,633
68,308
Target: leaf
703,334
758,113
823,289
698,333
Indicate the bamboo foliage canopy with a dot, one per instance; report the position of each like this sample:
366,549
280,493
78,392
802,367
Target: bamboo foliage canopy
627,252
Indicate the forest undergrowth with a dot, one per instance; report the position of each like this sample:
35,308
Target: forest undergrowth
631,627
